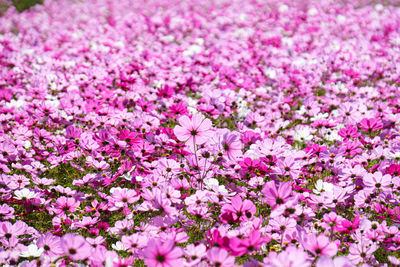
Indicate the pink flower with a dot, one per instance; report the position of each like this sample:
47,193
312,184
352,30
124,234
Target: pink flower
336,262
346,226
292,256
362,251
231,145
349,132
51,244
319,245
276,196
64,204
161,254
220,257
377,180
196,130
240,210
134,242
393,260
195,253
75,247
9,230
123,196
371,125
288,166
100,256
248,245
352,148
216,239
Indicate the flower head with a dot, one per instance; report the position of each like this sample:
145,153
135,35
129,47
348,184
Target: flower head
196,130
160,254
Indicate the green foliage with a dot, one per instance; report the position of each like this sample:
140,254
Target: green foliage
320,92
3,8
21,5
381,256
138,263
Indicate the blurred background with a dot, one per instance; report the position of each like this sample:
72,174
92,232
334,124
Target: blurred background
21,5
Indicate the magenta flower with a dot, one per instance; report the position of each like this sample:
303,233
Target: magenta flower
349,132
160,254
248,245
215,238
371,125
64,204
393,169
240,210
196,130
346,226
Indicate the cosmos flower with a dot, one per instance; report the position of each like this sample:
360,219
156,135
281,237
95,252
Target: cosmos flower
195,130
220,257
319,245
75,247
162,254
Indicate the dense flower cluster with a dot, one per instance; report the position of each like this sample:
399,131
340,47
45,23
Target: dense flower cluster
198,133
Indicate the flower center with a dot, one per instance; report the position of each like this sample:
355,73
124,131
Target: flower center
226,147
160,258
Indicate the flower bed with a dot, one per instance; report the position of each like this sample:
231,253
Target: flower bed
198,133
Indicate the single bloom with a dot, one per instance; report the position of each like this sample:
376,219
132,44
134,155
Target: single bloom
195,130
162,254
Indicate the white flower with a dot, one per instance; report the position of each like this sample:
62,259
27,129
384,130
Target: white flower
319,116
312,11
394,155
341,19
192,50
15,103
33,251
322,186
283,8
27,144
211,182
378,7
167,38
303,134
119,246
24,193
271,73
332,136
139,178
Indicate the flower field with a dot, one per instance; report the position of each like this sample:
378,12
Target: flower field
200,133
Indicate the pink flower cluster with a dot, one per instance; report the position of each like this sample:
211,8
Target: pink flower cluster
200,133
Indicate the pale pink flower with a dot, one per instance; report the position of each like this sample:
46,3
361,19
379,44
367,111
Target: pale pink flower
196,130
319,245
220,257
160,254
